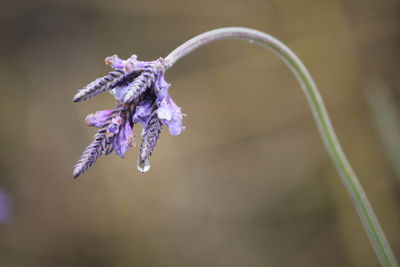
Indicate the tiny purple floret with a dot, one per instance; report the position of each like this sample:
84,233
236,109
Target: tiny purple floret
99,118
115,124
123,141
171,115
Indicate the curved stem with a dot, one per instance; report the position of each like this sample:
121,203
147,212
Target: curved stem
349,178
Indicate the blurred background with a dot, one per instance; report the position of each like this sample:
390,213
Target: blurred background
248,183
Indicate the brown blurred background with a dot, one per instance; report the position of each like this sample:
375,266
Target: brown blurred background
248,183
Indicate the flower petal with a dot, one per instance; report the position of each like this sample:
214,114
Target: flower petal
164,112
123,141
143,112
161,87
114,126
171,115
115,62
99,119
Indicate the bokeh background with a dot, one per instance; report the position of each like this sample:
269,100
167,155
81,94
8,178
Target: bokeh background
248,183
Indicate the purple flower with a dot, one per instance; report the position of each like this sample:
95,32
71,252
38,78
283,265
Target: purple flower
130,65
161,87
171,115
115,62
123,141
113,127
99,119
143,112
141,90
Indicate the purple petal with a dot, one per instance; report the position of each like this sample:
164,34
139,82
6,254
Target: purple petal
143,112
164,112
161,87
171,115
115,62
119,92
99,119
132,64
123,141
114,125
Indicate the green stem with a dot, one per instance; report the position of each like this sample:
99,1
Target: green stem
349,178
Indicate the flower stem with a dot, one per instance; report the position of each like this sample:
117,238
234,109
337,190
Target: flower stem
349,178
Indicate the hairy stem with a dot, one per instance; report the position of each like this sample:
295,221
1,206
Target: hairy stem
349,178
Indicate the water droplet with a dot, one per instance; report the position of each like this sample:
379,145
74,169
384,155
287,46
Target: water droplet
143,166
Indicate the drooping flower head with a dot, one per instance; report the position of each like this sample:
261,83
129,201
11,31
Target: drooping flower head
142,94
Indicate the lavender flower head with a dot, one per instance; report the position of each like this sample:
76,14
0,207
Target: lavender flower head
142,94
